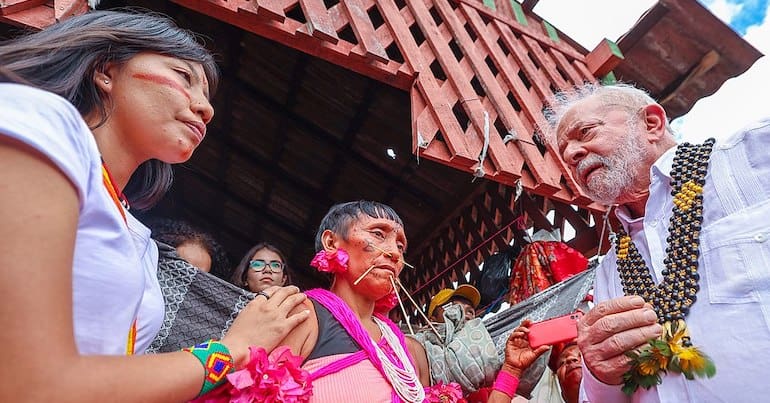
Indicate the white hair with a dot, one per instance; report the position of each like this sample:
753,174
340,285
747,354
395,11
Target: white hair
621,95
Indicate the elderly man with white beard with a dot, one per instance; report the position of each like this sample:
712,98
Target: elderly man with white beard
683,296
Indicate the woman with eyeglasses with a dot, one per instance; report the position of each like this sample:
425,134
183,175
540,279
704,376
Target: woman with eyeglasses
263,266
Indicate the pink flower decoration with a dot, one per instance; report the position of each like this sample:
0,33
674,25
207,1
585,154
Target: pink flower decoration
444,393
331,262
274,378
386,303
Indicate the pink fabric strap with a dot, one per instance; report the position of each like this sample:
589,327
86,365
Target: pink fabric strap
340,310
339,365
506,383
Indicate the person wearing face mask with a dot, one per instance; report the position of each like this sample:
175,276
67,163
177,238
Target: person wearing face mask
466,296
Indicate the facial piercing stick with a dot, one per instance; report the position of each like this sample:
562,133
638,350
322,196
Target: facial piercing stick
388,254
358,280
419,310
401,305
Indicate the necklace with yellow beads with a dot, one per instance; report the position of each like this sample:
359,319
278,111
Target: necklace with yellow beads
676,293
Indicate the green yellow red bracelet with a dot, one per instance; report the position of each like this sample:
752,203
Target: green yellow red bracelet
217,363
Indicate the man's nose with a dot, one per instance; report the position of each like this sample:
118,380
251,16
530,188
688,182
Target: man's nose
573,154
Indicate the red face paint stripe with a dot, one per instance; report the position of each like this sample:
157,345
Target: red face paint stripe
163,81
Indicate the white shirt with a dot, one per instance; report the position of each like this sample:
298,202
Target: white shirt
730,321
114,263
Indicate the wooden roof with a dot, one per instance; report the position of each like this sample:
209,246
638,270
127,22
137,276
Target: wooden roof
431,106
680,52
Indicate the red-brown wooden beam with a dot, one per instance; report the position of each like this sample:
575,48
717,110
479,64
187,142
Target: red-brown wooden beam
272,9
291,33
9,7
605,57
364,30
38,14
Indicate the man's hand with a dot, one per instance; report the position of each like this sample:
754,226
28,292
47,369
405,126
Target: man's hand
612,328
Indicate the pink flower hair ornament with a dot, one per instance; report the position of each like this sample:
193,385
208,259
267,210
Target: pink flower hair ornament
444,393
386,303
274,378
331,262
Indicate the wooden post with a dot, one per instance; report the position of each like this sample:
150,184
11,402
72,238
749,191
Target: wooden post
605,57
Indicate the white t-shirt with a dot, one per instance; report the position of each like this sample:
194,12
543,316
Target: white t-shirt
115,262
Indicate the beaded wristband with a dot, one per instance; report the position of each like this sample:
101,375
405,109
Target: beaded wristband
217,363
506,383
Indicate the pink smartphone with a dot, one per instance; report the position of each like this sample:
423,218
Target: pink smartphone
555,330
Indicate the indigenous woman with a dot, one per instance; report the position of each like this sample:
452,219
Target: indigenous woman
352,352
106,96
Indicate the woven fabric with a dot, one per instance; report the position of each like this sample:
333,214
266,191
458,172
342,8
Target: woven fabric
465,354
199,306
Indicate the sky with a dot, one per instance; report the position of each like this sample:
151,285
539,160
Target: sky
736,104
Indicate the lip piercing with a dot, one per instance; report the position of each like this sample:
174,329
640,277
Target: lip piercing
401,305
358,280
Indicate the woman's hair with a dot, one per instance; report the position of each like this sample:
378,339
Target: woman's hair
341,215
64,57
241,271
177,232
7,76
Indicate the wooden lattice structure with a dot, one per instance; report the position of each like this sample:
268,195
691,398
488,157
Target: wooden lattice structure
477,73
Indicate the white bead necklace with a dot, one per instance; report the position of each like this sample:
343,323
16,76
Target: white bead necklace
404,381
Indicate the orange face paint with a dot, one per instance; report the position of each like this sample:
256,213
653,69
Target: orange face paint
163,81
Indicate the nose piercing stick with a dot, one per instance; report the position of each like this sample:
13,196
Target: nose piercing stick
389,254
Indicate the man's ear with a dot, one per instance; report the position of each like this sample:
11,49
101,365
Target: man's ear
654,120
329,241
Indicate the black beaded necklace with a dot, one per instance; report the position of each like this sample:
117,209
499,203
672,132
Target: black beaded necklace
674,296
673,352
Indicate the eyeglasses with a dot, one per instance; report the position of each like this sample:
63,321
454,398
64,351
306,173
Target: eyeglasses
259,265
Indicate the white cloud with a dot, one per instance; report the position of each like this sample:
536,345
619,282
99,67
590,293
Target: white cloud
725,10
590,21
739,101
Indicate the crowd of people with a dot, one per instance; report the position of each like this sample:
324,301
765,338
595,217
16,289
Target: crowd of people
79,271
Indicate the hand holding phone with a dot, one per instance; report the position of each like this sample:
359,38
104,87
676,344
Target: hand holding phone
555,330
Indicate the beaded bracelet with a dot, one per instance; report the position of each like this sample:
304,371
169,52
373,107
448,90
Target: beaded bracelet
217,363
506,383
